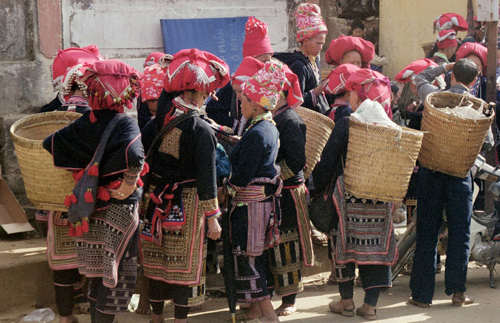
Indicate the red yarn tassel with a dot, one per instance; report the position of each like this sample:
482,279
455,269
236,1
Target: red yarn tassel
73,198
92,117
93,170
109,101
85,225
145,169
88,196
77,175
115,184
79,229
140,183
103,194
129,105
67,200
72,230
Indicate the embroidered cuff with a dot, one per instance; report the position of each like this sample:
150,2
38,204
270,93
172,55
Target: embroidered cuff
314,98
286,172
210,207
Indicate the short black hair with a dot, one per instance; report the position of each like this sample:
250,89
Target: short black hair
465,71
357,24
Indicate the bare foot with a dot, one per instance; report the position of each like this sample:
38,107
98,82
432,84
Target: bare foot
144,306
156,318
286,309
68,319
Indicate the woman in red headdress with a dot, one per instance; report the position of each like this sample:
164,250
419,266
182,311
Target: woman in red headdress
373,258
182,186
106,241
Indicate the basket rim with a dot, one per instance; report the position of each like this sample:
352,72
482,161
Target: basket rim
45,116
440,113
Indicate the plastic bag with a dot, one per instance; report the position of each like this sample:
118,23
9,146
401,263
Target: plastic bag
40,315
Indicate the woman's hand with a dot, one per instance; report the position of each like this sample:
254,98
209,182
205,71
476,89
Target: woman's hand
221,195
319,89
214,229
123,192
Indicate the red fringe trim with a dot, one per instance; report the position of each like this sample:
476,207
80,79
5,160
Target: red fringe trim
94,170
88,196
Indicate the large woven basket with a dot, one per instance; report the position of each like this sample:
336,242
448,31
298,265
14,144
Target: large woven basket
318,130
451,144
46,186
380,161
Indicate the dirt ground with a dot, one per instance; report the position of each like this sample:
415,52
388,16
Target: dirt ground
313,304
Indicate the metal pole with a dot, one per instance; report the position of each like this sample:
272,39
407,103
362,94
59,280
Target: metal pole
491,94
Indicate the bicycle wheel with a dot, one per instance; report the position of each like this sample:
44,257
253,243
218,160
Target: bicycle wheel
406,250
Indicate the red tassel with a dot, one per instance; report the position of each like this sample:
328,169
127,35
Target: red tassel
88,196
72,230
145,169
79,229
77,175
129,105
103,194
93,170
109,101
140,183
67,200
115,184
92,117
85,225
154,199
73,198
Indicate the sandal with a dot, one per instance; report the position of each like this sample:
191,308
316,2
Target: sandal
419,304
319,237
361,311
286,311
240,316
342,308
460,299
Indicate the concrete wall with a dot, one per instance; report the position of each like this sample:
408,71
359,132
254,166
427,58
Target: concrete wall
405,25
130,29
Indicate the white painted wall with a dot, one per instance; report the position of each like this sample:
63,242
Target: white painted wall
130,29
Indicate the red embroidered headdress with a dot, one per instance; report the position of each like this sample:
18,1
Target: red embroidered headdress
111,84
193,69
265,87
372,85
338,78
309,21
257,40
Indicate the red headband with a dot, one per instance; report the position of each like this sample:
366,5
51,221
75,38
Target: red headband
265,87
248,67
450,21
414,68
447,38
473,48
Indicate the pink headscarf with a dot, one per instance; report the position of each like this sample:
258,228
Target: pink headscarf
153,58
476,49
338,47
193,69
414,68
450,20
309,21
265,87
257,40
338,77
372,85
69,65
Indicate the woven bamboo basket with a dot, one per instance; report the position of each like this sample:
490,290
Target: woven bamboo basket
451,144
318,130
46,186
380,161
